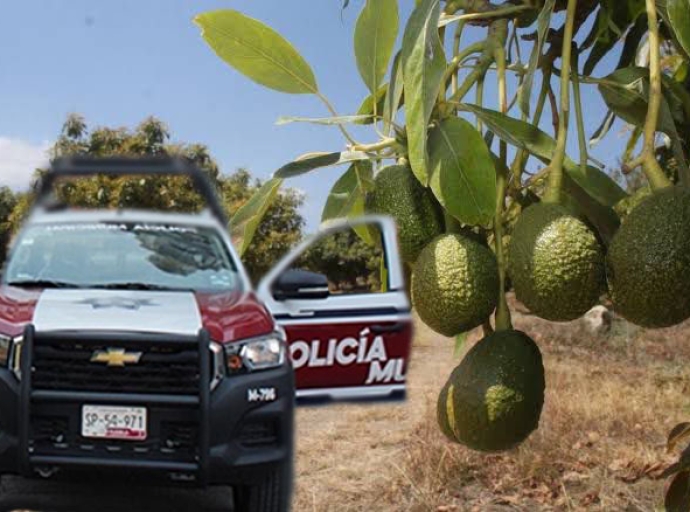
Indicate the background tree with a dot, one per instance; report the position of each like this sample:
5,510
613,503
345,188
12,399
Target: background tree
8,201
347,261
280,227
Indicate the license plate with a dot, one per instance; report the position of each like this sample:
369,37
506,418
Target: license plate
113,422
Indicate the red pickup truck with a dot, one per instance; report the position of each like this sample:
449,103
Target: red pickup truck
133,342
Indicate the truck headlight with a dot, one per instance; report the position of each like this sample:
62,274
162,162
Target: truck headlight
5,348
256,354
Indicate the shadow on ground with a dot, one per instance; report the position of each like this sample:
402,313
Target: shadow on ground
40,496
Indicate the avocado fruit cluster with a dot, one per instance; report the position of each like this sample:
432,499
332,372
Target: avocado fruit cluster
398,193
493,400
648,261
454,284
556,263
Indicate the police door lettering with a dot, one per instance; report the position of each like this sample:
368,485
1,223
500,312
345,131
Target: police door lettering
347,352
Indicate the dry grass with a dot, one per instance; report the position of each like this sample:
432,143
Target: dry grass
610,402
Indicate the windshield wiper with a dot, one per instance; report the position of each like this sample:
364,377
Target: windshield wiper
136,286
42,283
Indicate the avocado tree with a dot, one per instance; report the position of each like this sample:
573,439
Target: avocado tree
454,173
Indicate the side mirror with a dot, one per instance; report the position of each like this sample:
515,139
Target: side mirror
300,284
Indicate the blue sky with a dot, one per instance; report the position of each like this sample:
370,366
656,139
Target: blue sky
118,62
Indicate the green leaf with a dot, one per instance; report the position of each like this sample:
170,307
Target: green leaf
625,92
324,120
257,51
393,96
543,23
366,109
348,191
679,18
423,63
463,174
526,136
614,18
246,220
678,493
375,34
348,197
603,129
311,161
632,42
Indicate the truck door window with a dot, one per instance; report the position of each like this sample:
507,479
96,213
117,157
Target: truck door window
352,261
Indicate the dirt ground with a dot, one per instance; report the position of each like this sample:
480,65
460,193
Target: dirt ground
611,400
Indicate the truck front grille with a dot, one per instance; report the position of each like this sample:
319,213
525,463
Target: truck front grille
66,365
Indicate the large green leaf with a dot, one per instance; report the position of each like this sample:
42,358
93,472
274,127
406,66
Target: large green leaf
349,191
543,22
463,174
529,137
246,220
625,92
393,95
311,161
423,66
366,108
679,18
375,34
257,51
348,197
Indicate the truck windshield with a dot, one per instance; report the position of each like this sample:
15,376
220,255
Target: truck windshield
121,255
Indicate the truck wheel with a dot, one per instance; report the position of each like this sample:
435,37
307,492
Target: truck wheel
272,494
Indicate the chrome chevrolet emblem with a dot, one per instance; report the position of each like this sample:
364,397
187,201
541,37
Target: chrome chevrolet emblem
115,357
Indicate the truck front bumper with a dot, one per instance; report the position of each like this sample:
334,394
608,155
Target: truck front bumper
220,437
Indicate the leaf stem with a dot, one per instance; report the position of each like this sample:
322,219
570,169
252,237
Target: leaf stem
457,36
553,192
377,146
503,12
498,34
577,97
334,113
503,320
632,142
480,100
518,166
461,56
652,169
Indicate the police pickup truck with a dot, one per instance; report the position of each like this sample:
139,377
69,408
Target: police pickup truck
132,342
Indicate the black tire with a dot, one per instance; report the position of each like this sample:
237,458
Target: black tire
272,494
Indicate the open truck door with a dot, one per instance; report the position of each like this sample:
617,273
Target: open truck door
348,340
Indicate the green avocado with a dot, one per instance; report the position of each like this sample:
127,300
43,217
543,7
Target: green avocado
493,399
649,261
398,193
454,284
555,262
